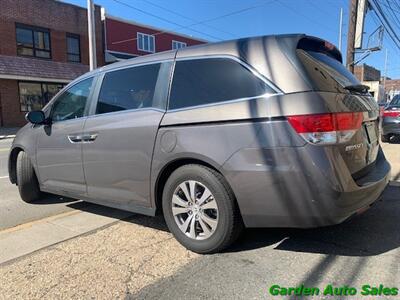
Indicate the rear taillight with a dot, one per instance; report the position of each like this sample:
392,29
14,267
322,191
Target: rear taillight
391,114
330,128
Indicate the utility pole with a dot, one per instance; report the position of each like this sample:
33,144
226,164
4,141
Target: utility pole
340,29
91,35
351,35
385,74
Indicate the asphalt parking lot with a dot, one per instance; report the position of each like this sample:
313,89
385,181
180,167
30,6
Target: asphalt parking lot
135,257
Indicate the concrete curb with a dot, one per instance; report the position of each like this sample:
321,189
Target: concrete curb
4,137
27,238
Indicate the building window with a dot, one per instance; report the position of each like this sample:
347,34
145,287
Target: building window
145,42
178,45
73,48
35,95
33,41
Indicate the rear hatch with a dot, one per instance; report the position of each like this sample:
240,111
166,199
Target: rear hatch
355,117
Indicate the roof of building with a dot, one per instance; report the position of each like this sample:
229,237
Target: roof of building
16,67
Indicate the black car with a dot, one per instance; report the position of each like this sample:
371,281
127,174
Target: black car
391,120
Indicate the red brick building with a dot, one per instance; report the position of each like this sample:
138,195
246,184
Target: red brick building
124,39
43,47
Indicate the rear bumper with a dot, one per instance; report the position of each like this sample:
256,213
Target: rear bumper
302,187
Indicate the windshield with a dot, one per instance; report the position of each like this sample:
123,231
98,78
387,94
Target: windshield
395,101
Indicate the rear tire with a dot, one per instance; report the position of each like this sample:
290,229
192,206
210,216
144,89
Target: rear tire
219,210
28,185
385,138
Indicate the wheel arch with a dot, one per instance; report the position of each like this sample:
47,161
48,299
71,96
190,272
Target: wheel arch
169,168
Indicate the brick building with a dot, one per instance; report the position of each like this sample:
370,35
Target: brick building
43,47
126,39
365,72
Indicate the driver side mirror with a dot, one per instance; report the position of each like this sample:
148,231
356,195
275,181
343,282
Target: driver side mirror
36,117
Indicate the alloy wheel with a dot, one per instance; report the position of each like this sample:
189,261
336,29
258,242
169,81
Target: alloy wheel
195,210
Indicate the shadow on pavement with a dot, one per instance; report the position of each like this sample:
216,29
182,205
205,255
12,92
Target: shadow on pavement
374,232
53,199
157,222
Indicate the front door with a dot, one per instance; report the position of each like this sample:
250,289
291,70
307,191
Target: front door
121,133
59,144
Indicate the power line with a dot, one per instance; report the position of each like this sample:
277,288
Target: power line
186,17
163,19
202,22
395,49
384,21
305,16
392,12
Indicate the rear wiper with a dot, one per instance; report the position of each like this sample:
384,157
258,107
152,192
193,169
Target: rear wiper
357,88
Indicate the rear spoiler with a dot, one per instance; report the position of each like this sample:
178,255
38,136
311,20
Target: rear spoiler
310,43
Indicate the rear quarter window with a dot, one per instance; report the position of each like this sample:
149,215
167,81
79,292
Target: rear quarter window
213,80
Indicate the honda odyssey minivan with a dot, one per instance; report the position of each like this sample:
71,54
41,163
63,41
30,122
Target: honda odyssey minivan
268,131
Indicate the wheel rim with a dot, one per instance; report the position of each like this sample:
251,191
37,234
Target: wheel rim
195,210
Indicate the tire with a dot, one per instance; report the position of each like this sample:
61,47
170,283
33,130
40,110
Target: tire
225,212
28,185
385,138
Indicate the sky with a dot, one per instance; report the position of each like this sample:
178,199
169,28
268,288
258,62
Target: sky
230,19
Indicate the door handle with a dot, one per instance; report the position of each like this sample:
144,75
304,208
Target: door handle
89,137
75,139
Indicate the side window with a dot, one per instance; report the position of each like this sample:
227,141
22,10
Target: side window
213,80
71,103
125,89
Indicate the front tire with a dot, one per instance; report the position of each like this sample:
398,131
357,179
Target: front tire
200,209
28,185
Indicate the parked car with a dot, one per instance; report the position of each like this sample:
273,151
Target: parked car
390,125
268,131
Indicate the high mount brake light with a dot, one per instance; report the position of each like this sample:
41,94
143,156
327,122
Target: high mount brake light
330,128
392,114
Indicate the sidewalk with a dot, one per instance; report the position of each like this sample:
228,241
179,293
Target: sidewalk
8,132
112,262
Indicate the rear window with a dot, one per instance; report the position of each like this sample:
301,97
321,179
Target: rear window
335,69
213,80
323,65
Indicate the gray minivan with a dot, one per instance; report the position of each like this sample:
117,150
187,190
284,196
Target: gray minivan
268,131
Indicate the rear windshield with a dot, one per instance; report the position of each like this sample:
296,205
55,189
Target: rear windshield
335,69
325,73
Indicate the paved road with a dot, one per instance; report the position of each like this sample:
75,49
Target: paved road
139,259
13,211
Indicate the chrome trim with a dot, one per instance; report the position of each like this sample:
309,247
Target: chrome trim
128,66
75,139
126,111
